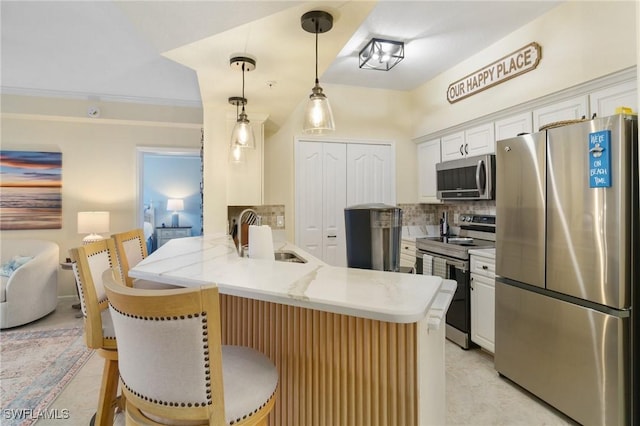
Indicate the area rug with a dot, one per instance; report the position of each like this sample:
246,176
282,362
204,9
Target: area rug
35,366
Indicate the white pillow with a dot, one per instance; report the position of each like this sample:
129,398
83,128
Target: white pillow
9,267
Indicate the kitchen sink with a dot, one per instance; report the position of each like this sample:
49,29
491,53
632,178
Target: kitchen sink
288,256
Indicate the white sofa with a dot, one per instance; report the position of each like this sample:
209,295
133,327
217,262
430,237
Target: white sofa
31,291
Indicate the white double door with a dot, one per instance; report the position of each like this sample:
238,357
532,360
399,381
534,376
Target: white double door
331,176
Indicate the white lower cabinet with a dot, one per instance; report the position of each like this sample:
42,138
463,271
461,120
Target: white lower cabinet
483,289
408,253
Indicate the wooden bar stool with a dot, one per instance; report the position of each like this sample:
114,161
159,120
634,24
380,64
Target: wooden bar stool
132,249
89,262
173,367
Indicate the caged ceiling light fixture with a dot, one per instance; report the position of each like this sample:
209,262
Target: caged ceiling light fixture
242,134
318,117
380,54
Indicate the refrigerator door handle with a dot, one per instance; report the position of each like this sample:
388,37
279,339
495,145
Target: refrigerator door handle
481,188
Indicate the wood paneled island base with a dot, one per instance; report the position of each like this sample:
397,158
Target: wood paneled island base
334,369
354,347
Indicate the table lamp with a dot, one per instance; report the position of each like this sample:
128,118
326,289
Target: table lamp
175,205
93,223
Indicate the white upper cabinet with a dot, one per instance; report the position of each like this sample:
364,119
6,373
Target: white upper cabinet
453,146
571,109
371,174
428,157
604,102
511,127
480,140
474,141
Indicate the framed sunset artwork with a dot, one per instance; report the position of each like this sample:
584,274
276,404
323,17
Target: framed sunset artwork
30,190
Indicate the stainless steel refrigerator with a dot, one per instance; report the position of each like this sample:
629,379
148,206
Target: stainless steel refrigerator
567,266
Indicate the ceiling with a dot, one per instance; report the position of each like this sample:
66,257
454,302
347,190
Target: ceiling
177,52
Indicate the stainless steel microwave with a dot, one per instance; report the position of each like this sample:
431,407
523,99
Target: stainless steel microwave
471,178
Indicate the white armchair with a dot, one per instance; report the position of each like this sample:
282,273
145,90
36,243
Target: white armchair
31,291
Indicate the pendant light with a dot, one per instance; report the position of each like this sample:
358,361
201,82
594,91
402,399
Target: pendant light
236,151
318,117
242,134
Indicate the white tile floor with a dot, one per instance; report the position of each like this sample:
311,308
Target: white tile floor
475,394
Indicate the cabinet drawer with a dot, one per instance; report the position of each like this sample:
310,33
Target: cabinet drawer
483,266
408,247
173,233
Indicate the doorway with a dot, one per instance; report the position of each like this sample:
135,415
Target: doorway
169,174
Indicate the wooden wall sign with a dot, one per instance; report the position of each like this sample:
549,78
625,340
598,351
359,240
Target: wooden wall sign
514,64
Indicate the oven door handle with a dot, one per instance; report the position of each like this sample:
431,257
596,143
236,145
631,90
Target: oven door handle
458,264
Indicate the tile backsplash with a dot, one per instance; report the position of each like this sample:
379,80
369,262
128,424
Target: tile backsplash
412,214
268,213
430,214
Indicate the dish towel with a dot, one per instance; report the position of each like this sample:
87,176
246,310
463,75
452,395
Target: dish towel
440,267
427,264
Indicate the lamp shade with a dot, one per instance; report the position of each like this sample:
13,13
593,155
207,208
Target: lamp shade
318,117
93,222
175,205
242,134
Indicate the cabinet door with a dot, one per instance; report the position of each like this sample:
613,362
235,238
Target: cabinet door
479,140
320,200
428,157
571,109
334,196
483,311
453,146
309,197
511,127
370,174
604,102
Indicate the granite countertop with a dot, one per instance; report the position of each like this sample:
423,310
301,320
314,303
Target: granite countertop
379,295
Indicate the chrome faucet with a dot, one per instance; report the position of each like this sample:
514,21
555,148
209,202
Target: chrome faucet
252,219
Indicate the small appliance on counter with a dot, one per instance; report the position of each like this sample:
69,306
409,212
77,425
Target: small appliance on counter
373,234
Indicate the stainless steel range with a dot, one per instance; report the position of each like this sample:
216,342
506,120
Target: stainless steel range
448,257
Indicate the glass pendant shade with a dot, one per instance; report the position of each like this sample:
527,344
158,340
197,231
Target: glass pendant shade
318,117
237,155
242,133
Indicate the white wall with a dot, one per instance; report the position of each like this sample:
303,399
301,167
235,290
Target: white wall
360,114
99,169
580,40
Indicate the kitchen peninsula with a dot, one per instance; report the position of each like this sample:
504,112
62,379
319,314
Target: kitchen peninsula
352,346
